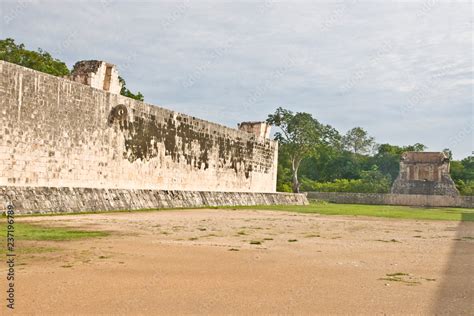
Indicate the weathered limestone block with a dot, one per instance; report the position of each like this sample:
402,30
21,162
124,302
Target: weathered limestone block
97,74
259,129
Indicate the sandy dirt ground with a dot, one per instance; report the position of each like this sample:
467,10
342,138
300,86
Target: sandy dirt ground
248,262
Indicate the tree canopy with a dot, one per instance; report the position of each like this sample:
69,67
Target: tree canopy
358,141
299,135
43,61
38,60
315,157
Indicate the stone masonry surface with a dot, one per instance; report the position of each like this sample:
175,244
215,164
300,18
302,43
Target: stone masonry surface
424,173
58,133
394,199
97,74
42,200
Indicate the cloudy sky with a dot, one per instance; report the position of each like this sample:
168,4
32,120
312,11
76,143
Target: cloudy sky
401,70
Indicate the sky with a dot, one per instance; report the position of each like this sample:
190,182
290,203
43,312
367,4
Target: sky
403,71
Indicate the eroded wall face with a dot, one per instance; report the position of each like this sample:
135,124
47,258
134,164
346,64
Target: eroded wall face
56,133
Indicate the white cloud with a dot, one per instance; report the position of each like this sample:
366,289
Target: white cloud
402,70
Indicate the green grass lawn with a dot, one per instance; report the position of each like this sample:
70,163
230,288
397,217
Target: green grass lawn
30,232
33,232
389,211
25,231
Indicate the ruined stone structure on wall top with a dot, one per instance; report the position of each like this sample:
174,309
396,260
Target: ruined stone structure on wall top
97,74
425,173
260,129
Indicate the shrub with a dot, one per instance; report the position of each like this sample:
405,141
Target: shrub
371,182
465,188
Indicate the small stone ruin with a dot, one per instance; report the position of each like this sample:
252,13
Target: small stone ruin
97,74
425,173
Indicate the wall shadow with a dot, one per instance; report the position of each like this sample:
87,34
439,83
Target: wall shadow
456,293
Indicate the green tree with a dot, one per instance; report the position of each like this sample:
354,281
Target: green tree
358,141
125,92
462,172
468,166
44,62
284,171
40,60
465,188
299,135
387,157
448,153
416,147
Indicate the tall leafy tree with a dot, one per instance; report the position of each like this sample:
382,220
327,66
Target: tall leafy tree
299,135
39,60
462,173
463,170
388,156
43,61
358,141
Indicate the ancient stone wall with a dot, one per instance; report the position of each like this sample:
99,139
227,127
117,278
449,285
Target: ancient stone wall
44,200
394,199
55,132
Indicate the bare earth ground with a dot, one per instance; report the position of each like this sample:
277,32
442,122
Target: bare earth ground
203,262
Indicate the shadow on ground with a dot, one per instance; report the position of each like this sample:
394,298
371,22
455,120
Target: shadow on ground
456,293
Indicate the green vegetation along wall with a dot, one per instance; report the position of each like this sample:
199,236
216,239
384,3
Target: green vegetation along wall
354,162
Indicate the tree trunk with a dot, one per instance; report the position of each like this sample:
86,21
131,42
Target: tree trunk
294,169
